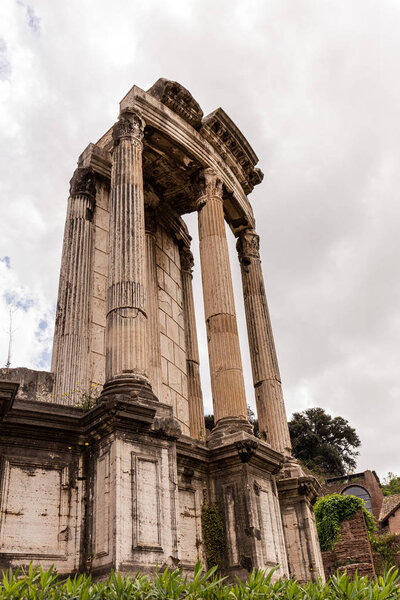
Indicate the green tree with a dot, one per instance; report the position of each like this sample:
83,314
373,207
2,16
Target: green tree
391,485
324,444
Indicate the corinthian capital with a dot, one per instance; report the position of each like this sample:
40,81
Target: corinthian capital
187,261
248,246
207,184
130,125
83,182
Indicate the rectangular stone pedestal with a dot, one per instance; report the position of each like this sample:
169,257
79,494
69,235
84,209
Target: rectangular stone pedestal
243,485
132,482
302,545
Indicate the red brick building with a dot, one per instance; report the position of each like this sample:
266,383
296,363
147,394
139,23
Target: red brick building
364,485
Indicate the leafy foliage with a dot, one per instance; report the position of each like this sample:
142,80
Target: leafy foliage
209,422
387,546
391,485
213,530
325,444
37,584
331,510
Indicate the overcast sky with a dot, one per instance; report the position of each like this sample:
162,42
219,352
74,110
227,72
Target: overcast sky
314,86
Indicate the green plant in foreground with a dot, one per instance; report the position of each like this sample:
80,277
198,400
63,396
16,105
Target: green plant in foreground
331,510
173,584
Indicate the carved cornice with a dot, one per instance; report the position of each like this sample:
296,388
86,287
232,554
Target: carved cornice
98,159
178,99
221,132
83,182
248,246
130,125
8,391
207,184
187,261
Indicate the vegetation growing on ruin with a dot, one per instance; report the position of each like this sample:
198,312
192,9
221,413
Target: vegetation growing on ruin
37,584
213,530
386,546
330,512
83,398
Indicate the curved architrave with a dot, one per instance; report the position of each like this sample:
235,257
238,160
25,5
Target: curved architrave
161,117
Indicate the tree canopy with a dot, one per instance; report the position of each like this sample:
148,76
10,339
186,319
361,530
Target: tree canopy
325,444
391,485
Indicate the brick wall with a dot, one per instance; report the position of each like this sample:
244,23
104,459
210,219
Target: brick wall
366,480
353,552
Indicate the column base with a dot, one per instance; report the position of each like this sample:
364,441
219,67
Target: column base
226,427
134,386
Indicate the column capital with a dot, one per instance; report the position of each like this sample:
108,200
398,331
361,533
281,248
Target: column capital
248,246
187,261
207,184
83,182
130,126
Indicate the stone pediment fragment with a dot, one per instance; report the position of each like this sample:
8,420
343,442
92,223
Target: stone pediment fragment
178,99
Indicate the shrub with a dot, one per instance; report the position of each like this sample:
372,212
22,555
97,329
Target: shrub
331,510
38,584
387,546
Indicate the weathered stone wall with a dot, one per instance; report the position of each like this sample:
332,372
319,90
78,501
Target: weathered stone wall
41,491
173,354
33,385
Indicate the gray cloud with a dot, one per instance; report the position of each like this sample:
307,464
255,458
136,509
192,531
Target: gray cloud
314,87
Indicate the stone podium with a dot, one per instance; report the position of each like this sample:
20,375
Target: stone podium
107,464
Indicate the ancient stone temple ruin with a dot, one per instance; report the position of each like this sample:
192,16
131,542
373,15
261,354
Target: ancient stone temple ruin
121,482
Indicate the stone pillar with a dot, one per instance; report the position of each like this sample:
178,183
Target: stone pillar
154,345
272,419
226,373
195,396
126,325
71,336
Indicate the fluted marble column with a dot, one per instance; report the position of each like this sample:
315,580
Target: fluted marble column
71,336
126,326
226,372
195,396
154,345
272,419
